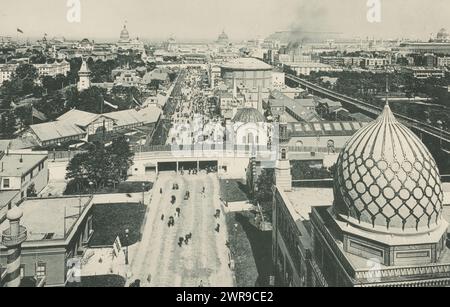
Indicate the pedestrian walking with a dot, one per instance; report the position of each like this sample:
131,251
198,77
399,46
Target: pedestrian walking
162,217
218,228
160,191
178,211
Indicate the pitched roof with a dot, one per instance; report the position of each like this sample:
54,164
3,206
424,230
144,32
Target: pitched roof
324,128
17,165
156,74
150,114
294,106
55,130
330,103
146,115
248,115
79,118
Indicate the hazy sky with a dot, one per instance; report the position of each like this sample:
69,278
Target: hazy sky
204,19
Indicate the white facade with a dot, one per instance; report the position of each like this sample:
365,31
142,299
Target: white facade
306,68
6,72
278,79
443,61
54,69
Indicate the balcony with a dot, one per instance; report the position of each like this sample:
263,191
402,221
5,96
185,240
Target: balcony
9,240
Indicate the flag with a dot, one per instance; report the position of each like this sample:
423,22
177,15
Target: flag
19,30
110,105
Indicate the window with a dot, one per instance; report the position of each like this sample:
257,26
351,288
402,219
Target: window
6,183
41,270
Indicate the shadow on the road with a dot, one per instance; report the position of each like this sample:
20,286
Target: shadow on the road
261,245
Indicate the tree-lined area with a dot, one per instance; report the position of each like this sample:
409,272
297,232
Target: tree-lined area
27,94
100,166
371,87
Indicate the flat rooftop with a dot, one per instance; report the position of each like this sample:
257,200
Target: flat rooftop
15,164
50,218
303,199
247,64
5,199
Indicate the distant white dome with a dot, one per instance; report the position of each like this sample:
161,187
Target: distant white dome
442,34
124,35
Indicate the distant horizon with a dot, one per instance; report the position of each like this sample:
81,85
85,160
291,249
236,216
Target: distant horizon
23,38
190,20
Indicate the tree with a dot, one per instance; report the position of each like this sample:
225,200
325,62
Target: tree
48,82
52,105
101,70
90,100
124,96
102,166
7,125
31,190
77,171
264,195
26,72
122,156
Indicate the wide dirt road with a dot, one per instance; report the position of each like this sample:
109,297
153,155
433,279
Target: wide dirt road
205,258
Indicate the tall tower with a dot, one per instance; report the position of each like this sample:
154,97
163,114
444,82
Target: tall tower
85,77
283,177
12,239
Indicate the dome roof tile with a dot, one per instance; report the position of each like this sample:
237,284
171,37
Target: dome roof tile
386,177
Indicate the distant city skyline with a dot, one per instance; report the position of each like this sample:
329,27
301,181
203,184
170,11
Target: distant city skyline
205,19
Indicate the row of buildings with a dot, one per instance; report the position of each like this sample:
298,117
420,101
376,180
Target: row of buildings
78,126
50,69
46,240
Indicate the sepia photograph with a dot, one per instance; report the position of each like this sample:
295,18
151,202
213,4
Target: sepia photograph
224,151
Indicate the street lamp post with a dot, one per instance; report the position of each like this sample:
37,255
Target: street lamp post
127,232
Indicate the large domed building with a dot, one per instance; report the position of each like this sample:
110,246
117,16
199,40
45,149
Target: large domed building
442,35
385,225
248,115
387,180
381,225
250,129
223,38
126,43
124,34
